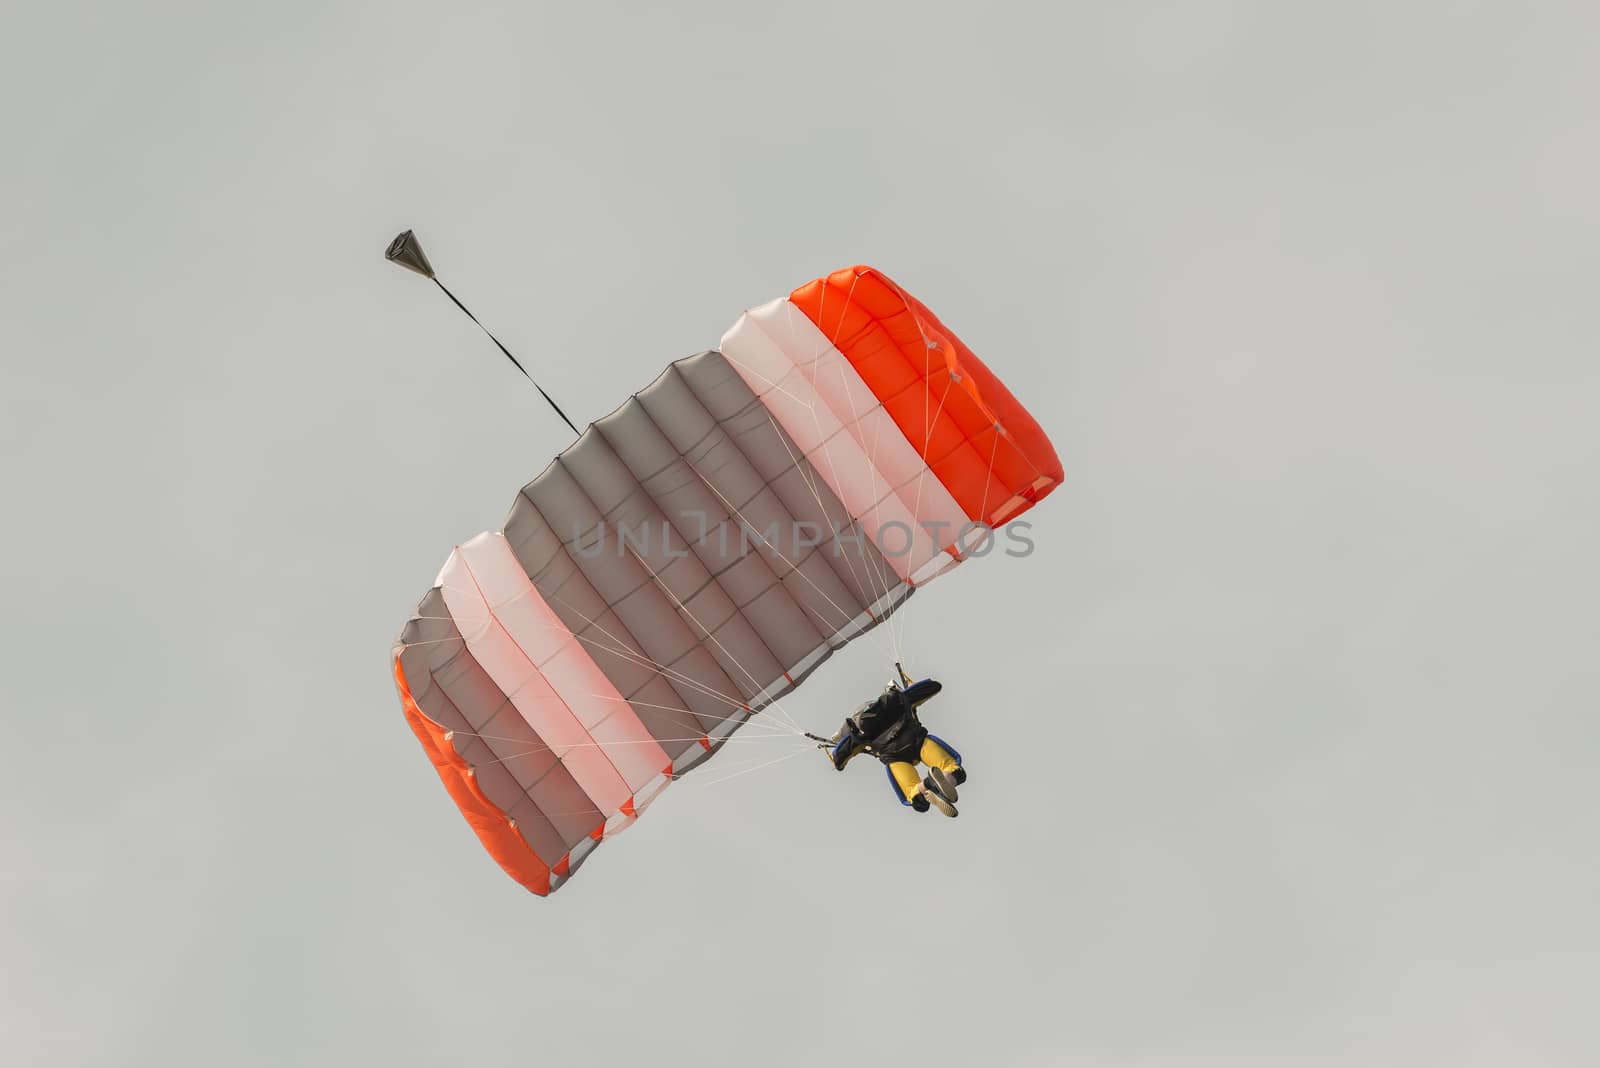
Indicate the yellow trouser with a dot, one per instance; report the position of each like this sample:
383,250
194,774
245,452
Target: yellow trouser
934,755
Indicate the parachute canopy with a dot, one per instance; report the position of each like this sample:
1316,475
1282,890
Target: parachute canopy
695,554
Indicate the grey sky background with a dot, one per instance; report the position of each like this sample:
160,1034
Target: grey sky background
1283,743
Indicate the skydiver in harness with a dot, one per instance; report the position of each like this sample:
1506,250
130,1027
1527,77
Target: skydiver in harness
890,730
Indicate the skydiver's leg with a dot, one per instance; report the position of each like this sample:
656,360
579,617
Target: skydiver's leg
936,755
945,772
919,793
910,783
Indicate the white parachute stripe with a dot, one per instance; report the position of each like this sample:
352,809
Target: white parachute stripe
547,675
825,406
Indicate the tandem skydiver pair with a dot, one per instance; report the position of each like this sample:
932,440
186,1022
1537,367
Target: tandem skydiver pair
890,729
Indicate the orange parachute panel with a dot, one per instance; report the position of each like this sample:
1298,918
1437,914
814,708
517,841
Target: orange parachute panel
494,828
976,438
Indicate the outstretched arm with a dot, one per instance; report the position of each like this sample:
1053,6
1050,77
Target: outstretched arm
846,744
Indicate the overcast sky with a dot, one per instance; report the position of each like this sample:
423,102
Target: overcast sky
1283,743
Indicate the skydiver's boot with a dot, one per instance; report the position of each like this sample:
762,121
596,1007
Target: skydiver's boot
941,784
937,800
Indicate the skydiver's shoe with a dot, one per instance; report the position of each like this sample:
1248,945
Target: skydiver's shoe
937,801
942,784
